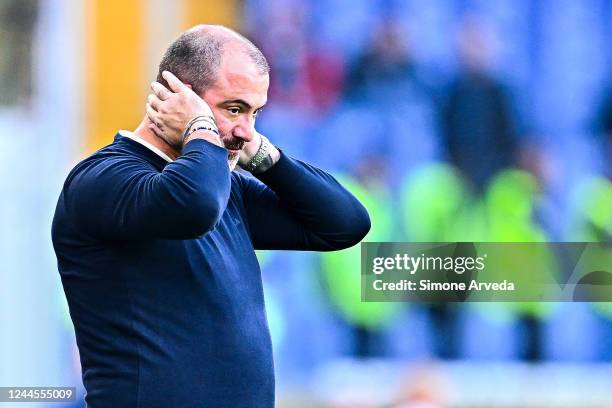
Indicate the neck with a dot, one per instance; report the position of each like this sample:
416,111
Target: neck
147,134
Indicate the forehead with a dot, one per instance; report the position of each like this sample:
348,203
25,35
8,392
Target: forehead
239,78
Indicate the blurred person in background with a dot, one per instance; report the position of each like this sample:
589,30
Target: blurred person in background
604,126
155,235
592,201
367,322
593,196
480,136
308,79
309,73
17,20
385,81
385,63
479,128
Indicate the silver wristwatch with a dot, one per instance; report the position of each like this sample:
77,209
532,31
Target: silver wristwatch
262,154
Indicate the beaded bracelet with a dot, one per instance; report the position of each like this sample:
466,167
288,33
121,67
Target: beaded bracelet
202,127
203,118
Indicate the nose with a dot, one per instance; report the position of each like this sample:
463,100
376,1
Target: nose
244,130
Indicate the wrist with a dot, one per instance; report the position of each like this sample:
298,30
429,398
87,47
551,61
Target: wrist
266,156
201,122
203,132
202,127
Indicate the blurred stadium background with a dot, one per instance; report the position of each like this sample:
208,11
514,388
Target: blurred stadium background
452,120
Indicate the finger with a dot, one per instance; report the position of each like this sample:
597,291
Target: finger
156,130
154,101
161,91
175,84
153,116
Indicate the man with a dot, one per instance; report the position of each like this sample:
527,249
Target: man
155,236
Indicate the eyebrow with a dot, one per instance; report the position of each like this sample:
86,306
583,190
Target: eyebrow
240,102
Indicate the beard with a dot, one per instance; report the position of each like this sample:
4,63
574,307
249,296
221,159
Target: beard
233,143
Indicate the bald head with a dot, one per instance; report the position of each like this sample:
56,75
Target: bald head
196,55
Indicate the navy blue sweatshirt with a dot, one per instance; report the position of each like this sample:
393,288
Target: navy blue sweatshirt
158,265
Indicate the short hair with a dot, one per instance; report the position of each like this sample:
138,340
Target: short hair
195,56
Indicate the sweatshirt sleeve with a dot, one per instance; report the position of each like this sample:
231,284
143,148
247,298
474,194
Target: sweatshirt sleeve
301,207
124,198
